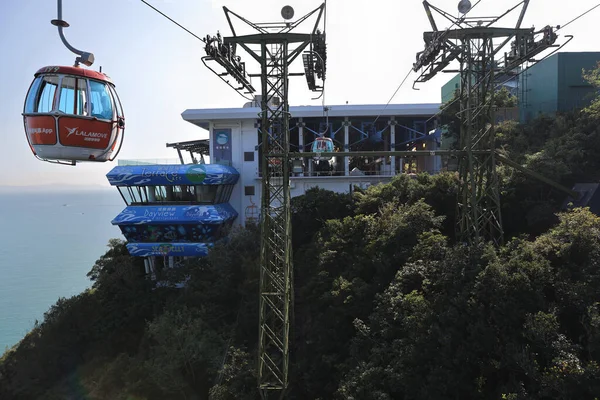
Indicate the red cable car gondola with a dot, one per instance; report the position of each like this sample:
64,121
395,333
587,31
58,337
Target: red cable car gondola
73,114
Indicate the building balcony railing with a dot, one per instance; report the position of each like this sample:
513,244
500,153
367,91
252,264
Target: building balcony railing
368,166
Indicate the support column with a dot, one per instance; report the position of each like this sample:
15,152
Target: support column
301,141
346,146
393,144
386,147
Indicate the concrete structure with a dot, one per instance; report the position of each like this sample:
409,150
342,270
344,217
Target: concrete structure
234,141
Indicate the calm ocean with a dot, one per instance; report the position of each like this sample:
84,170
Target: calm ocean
48,242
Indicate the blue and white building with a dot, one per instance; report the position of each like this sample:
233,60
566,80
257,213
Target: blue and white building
181,210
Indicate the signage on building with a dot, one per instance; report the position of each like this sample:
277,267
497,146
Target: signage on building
221,146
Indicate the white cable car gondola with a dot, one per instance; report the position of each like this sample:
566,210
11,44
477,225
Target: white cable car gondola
322,145
73,114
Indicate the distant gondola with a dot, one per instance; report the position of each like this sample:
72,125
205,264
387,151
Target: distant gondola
322,145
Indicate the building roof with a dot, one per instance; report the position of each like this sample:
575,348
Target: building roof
184,174
202,117
193,146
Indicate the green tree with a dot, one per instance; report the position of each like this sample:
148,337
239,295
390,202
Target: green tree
592,76
183,353
479,323
311,210
351,261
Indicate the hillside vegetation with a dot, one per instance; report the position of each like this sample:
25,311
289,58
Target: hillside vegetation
387,305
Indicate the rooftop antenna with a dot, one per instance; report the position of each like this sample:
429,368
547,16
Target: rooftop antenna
84,57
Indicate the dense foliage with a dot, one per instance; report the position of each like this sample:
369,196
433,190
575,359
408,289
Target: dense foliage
387,305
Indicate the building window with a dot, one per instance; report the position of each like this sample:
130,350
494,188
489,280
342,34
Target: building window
173,194
223,193
248,156
206,194
249,190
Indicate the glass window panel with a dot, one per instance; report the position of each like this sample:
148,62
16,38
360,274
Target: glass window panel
219,195
151,191
141,194
32,95
45,100
170,194
66,101
186,193
125,192
100,100
160,193
116,101
200,194
177,193
226,193
81,105
134,195
205,194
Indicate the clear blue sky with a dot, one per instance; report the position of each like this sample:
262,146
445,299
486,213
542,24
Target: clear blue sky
157,69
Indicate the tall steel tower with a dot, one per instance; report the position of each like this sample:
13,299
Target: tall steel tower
274,46
475,42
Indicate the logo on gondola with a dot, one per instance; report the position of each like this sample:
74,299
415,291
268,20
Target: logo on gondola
71,130
87,136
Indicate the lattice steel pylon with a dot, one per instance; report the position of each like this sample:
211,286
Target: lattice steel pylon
472,43
478,206
274,46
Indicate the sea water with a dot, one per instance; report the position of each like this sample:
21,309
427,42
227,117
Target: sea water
49,241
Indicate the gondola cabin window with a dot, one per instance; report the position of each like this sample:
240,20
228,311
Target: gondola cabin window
41,94
101,103
118,105
73,96
31,104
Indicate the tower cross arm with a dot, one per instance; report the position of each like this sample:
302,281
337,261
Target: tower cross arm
478,31
269,38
